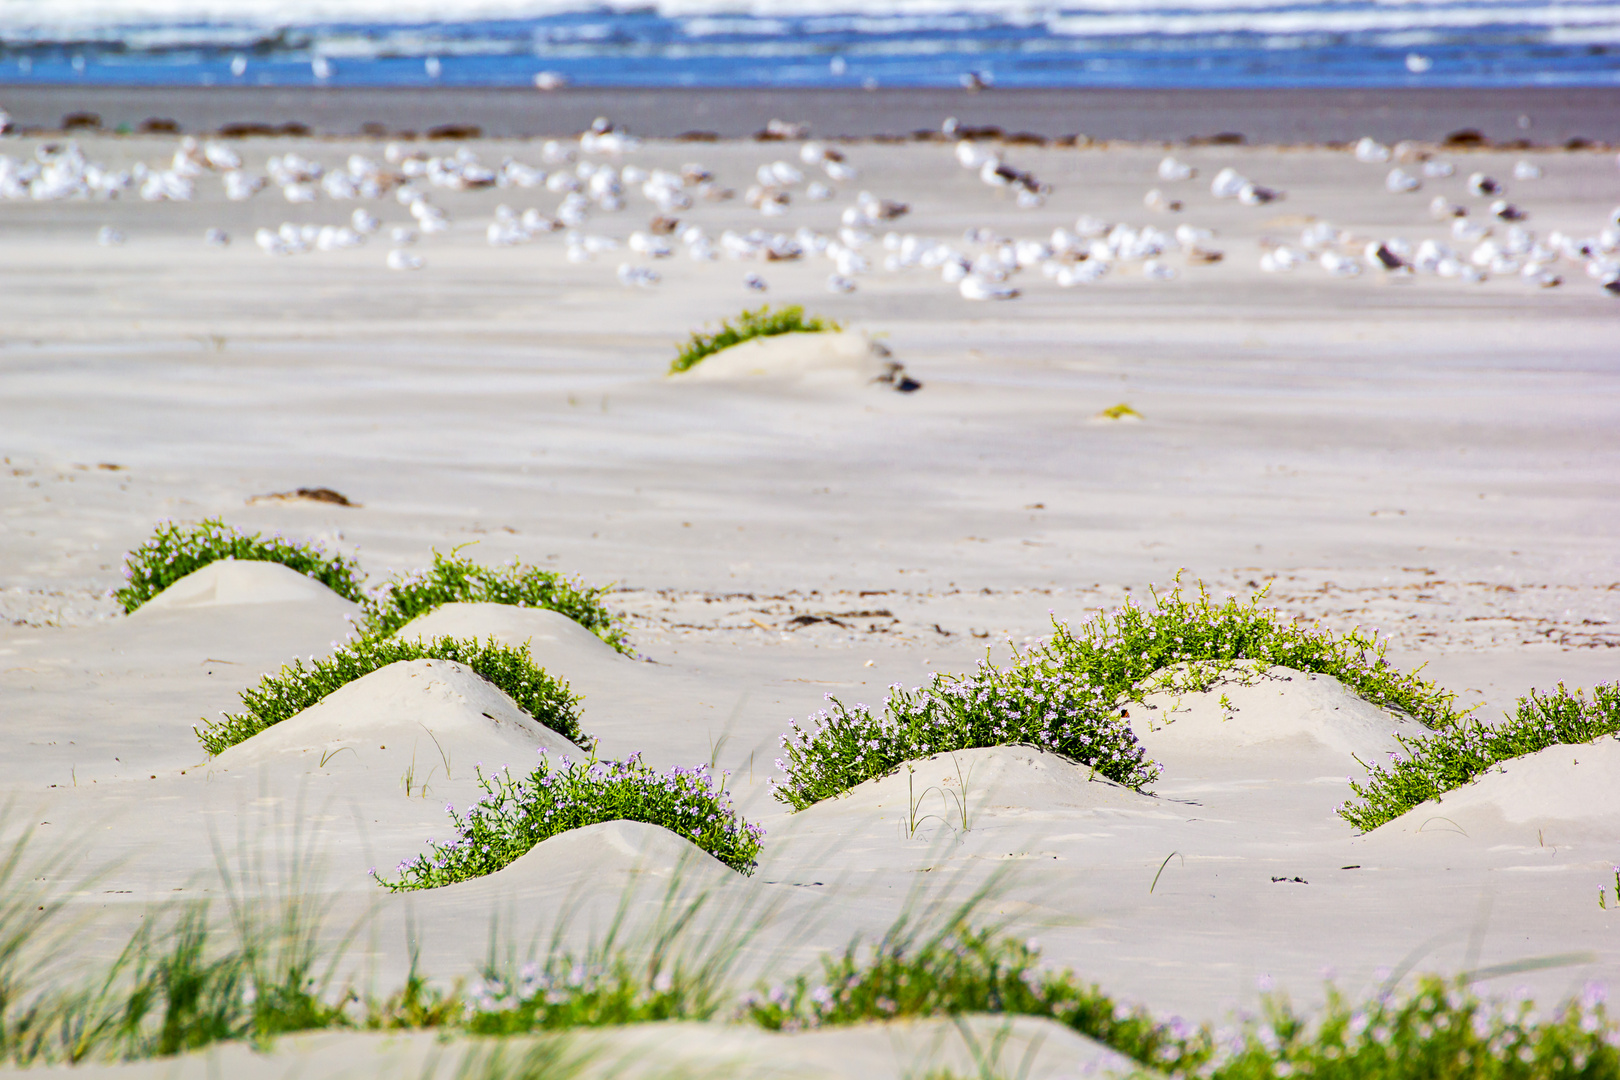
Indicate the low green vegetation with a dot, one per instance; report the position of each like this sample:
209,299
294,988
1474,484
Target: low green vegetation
1029,702
1189,643
456,579
296,687
186,981
1438,1031
910,975
1435,764
173,551
176,550
1068,695
750,324
171,989
516,814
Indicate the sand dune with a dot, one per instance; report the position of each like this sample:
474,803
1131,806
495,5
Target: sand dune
557,643
435,712
996,780
1267,712
594,865
1560,795
1040,1049
817,359
232,582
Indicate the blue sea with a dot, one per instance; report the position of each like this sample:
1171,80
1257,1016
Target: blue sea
902,43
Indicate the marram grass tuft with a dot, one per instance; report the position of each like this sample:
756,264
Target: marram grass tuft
762,322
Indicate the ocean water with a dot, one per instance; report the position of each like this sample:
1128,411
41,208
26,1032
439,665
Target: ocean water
814,43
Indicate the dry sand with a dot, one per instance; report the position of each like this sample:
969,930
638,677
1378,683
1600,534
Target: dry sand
1434,458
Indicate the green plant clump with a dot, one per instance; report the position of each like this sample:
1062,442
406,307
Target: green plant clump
517,814
455,579
174,551
750,324
295,688
1440,1031
563,993
1190,644
964,970
1031,702
1066,696
1434,764
174,989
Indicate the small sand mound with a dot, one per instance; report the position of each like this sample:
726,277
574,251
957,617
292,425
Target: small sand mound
1577,784
1278,709
436,713
557,643
815,358
605,857
233,581
1004,781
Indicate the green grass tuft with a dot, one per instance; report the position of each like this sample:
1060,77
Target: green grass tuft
1435,764
169,992
295,688
454,579
1066,696
515,815
750,324
177,987
176,550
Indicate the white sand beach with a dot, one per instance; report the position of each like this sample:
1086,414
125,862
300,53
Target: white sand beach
1425,454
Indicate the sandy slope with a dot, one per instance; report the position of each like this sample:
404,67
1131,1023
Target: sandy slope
1034,1048
1436,458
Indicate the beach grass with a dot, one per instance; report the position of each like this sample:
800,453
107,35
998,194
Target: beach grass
1438,1030
173,551
455,579
915,972
296,687
1437,763
761,322
516,813
1069,695
184,982
174,986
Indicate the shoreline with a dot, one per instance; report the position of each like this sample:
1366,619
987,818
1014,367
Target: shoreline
1426,454
1504,117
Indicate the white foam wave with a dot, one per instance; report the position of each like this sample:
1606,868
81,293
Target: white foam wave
874,16
226,23
1298,21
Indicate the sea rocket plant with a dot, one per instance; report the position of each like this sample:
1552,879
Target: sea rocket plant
295,688
455,579
1069,695
1033,702
1447,759
517,814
